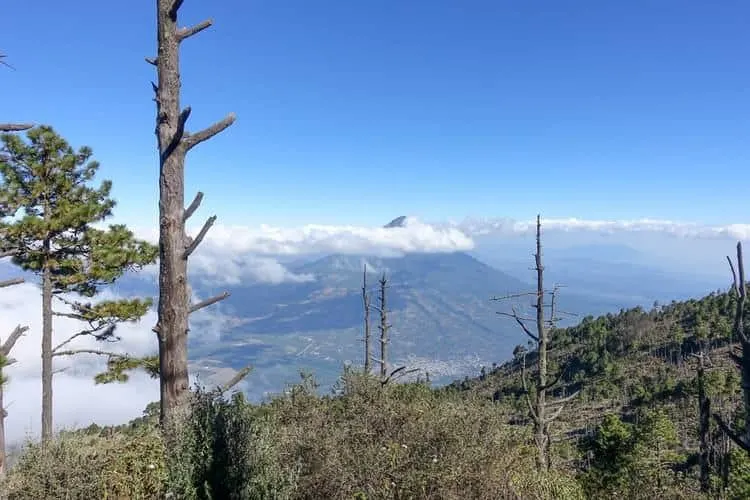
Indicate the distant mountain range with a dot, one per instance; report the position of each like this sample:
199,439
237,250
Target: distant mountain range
440,308
443,320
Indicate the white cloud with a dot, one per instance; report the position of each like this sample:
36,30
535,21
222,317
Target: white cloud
240,254
501,226
77,400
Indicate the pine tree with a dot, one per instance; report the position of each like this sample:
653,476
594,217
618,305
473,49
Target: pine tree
48,214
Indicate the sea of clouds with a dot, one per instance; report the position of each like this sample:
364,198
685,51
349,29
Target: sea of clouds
232,255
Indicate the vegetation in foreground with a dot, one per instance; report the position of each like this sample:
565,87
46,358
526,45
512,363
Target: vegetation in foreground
368,441
631,433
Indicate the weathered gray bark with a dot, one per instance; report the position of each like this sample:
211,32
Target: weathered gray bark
704,413
366,305
742,438
384,327
46,342
14,127
174,245
543,410
5,350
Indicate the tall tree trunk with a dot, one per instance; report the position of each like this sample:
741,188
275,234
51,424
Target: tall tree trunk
543,410
46,347
540,422
384,326
174,245
173,306
366,305
3,414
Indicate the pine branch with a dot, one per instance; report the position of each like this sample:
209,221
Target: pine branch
185,33
87,351
202,234
108,330
192,140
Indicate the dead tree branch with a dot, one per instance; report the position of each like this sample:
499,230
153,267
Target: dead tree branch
742,439
236,379
542,409
15,127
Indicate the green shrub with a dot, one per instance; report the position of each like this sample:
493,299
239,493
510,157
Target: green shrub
81,466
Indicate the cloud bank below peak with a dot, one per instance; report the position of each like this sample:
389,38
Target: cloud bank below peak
232,254
506,226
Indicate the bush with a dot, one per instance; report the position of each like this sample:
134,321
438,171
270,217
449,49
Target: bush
79,466
224,449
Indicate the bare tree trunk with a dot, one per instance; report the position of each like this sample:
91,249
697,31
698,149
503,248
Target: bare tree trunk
4,363
46,347
541,408
384,327
741,438
704,412
541,435
366,304
174,245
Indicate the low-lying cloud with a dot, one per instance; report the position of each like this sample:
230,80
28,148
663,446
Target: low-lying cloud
240,254
500,226
78,401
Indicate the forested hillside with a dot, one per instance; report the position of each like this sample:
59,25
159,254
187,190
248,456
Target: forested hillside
637,376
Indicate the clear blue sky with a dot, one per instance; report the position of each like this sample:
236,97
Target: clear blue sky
358,111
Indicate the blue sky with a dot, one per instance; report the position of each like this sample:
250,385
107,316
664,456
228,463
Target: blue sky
355,112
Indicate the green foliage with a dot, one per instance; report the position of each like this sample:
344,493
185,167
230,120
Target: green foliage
48,212
90,465
739,475
222,449
629,460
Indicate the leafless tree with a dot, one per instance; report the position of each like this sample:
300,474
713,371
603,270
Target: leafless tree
741,438
366,299
384,328
175,246
5,361
543,410
704,412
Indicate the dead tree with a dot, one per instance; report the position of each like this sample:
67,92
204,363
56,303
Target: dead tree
543,410
384,328
741,438
366,299
5,361
175,246
704,411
